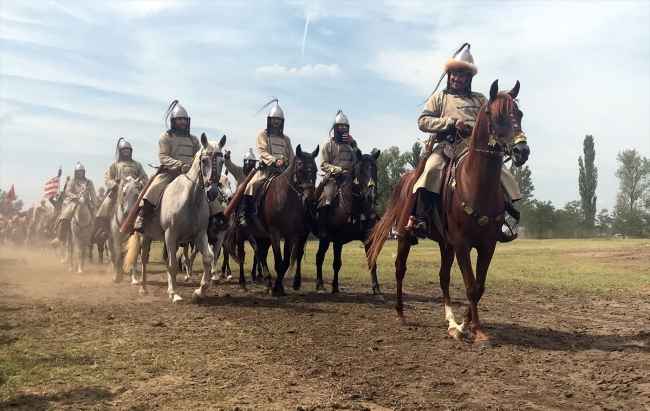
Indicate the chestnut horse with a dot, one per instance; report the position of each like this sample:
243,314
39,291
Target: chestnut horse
475,212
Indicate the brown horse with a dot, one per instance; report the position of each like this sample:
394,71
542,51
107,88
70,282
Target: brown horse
352,216
475,213
281,216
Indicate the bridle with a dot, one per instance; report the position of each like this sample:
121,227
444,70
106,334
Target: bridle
362,192
300,191
492,140
214,175
85,194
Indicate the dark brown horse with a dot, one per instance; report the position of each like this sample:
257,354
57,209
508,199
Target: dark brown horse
352,216
475,215
281,213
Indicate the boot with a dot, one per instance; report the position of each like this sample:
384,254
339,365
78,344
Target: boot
248,210
426,202
514,213
323,213
145,214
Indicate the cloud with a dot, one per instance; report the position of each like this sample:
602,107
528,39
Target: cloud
319,70
9,113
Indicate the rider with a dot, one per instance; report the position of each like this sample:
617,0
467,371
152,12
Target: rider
453,109
338,156
71,196
240,173
124,166
176,150
44,209
275,151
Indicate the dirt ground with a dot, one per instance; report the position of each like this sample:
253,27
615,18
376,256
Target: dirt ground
80,342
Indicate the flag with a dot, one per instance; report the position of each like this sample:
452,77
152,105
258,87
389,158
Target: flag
52,186
11,196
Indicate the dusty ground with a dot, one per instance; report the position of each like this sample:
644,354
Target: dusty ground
79,342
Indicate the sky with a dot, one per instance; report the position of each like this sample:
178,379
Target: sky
76,76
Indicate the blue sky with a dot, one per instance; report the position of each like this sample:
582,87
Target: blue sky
76,76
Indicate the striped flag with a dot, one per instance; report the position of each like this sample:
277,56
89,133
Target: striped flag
52,186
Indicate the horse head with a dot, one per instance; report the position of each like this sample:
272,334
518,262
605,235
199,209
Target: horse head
225,189
304,173
211,163
127,194
365,176
504,124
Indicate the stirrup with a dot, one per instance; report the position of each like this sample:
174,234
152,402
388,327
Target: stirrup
139,224
420,228
505,237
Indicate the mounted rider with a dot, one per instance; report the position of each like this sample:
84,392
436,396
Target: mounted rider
71,196
240,173
337,158
123,166
176,150
449,116
276,153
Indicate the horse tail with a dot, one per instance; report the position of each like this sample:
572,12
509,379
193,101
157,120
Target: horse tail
378,235
230,244
131,249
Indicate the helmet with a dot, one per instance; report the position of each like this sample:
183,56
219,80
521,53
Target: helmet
276,112
123,144
341,118
175,110
178,111
249,155
79,167
462,61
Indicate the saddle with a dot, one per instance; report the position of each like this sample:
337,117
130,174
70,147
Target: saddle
259,196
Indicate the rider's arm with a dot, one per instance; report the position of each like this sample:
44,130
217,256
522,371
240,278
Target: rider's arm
93,195
110,177
430,121
326,158
290,150
236,171
263,150
165,151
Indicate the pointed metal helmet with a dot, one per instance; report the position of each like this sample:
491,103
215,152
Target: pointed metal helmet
462,61
276,112
79,167
341,118
249,155
178,111
123,144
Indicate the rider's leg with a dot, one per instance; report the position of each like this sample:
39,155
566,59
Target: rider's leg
424,208
146,214
248,210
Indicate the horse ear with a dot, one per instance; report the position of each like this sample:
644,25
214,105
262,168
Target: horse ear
222,142
298,151
204,140
377,154
494,90
359,155
226,172
515,90
314,153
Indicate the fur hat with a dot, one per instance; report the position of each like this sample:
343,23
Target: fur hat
462,61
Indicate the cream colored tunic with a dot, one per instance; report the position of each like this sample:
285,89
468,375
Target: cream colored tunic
236,171
335,157
173,151
71,194
270,149
116,170
439,115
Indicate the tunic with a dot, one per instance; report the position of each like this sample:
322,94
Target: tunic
117,170
71,194
335,157
270,149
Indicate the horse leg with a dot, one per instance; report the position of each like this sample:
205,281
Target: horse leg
189,261
472,292
262,253
403,249
118,240
100,252
242,274
376,291
144,259
323,245
201,243
446,261
483,260
70,251
336,265
172,268
281,263
300,252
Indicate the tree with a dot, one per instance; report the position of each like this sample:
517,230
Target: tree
603,221
631,209
3,197
392,166
568,221
542,217
413,157
587,183
522,176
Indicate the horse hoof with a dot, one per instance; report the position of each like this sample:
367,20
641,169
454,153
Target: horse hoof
143,292
457,334
188,279
321,291
80,271
283,298
196,298
243,290
177,298
266,289
337,295
70,269
296,286
215,278
135,282
400,321
483,344
378,298
229,277
117,280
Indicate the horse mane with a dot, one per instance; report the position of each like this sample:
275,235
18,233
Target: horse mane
503,105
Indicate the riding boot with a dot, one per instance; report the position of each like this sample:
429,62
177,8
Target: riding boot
248,210
323,213
514,213
145,214
426,202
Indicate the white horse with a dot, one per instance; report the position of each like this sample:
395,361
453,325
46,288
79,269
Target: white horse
182,216
81,225
127,195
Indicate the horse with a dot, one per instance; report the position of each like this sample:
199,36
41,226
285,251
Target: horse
183,215
281,213
127,195
351,217
475,212
81,226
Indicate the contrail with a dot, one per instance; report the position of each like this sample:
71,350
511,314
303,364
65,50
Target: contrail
304,38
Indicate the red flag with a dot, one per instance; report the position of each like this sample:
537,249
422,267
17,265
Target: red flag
51,187
11,196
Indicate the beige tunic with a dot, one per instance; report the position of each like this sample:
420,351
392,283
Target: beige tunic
71,195
271,149
236,171
117,170
173,151
335,157
439,115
